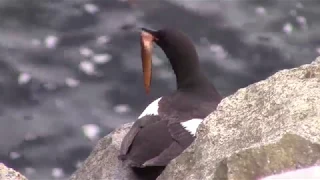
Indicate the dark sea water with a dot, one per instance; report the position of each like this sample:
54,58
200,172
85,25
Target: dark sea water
70,70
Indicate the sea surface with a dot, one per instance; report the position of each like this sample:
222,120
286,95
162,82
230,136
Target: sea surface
70,70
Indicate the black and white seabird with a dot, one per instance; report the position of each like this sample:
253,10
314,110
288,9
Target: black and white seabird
168,125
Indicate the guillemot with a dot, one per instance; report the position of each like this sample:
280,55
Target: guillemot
168,125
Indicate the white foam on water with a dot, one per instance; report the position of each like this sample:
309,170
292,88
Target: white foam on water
57,173
302,21
24,78
91,131
318,50
85,51
91,8
87,67
30,136
101,58
71,82
103,40
260,10
14,155
121,108
219,51
287,28
51,41
29,170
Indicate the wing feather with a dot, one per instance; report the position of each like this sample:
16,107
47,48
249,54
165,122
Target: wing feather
136,127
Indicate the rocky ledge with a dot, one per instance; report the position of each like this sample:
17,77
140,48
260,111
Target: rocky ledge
267,128
103,161
9,174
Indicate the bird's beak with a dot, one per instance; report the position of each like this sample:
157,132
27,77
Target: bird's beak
150,31
146,40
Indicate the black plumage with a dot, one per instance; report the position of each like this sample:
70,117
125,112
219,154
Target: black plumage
158,137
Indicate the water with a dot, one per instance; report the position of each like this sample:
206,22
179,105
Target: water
70,71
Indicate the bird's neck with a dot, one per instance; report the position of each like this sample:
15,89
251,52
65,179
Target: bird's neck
187,72
185,64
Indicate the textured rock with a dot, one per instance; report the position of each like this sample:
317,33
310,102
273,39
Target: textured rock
266,128
9,174
103,163
291,151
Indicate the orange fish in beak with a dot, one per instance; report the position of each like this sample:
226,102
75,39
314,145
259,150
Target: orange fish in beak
146,41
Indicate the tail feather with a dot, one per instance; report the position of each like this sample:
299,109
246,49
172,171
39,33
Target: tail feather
148,173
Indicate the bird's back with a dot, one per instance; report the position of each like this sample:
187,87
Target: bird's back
154,132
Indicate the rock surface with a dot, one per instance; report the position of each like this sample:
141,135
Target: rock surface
103,161
9,174
266,128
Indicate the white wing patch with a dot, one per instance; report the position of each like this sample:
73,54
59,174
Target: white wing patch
192,125
152,109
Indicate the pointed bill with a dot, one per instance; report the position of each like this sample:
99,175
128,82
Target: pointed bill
146,41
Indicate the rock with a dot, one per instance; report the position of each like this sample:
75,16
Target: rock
10,174
266,128
103,161
291,152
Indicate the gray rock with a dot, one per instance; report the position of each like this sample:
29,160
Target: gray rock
10,174
103,163
263,129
